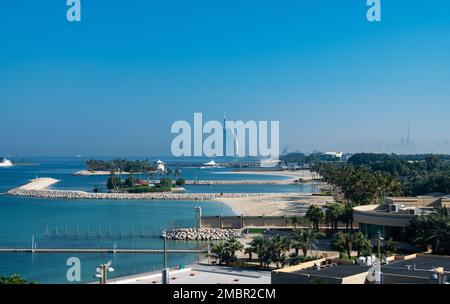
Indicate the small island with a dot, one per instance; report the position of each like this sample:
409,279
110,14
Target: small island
119,166
131,184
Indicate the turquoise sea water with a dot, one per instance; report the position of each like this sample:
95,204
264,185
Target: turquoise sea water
99,223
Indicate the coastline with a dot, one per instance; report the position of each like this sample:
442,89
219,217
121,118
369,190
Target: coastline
38,184
252,204
39,188
305,175
89,173
274,204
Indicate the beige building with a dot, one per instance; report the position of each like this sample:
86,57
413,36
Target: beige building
413,269
395,214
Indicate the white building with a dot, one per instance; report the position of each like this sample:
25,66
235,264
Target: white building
160,166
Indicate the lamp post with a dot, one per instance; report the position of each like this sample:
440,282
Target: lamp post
165,271
378,268
102,272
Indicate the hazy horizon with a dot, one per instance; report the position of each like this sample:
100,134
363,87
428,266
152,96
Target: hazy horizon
115,82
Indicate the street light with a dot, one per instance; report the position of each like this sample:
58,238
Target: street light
378,268
165,271
102,272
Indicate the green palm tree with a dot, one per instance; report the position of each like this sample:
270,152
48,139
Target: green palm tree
254,247
363,246
314,215
304,239
343,242
217,252
389,247
233,245
280,245
333,214
295,221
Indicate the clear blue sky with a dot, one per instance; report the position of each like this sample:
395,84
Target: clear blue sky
114,83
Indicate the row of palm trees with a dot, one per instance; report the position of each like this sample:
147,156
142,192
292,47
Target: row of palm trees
281,251
334,214
346,243
359,185
270,251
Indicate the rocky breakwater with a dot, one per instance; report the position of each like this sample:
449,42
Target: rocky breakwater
69,194
202,234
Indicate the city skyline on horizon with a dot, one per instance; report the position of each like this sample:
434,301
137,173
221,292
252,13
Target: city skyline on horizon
114,83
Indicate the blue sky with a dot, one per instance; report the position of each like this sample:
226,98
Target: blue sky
114,83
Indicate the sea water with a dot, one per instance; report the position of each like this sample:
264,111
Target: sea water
56,223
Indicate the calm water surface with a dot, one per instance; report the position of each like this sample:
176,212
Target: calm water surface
100,223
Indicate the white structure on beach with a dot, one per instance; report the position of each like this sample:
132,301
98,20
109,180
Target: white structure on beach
211,164
332,155
5,162
160,166
269,163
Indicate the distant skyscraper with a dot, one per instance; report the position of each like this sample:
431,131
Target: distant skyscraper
405,146
224,134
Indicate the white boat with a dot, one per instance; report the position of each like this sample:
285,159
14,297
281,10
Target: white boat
5,163
210,165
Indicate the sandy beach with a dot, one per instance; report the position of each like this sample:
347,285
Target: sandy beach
88,173
241,203
305,175
275,204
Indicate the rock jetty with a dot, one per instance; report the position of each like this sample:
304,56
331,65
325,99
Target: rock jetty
202,234
69,194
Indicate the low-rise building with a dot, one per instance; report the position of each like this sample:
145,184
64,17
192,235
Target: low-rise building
395,214
413,269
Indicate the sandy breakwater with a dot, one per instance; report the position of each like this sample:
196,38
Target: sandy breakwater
235,182
88,173
38,184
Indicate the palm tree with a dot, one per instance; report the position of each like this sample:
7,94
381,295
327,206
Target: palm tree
432,229
442,211
314,215
280,245
233,245
304,239
295,221
217,252
363,246
343,242
333,214
389,247
226,252
347,215
256,246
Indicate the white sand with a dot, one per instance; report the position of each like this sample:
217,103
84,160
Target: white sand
275,204
87,173
39,184
305,175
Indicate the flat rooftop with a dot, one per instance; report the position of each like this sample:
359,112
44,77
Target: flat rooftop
420,266
338,271
201,274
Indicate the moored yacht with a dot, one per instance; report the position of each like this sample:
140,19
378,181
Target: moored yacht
5,162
